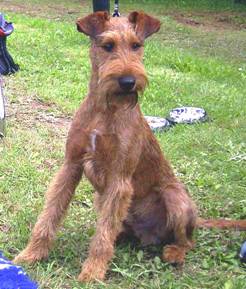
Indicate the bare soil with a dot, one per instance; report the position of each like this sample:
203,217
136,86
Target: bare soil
203,20
50,11
30,111
212,21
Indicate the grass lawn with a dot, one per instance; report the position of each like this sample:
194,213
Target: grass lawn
199,59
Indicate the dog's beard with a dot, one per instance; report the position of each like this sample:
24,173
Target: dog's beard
129,99
110,91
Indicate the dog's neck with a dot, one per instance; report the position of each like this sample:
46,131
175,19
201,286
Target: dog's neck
93,84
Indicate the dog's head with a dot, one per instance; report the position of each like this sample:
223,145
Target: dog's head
117,51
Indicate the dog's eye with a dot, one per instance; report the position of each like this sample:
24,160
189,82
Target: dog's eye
136,46
108,47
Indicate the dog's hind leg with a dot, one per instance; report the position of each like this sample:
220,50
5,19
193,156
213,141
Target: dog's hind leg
57,200
181,220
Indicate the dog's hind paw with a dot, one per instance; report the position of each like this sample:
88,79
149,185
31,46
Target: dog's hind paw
91,272
174,254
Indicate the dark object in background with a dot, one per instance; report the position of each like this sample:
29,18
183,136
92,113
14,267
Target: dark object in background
116,12
101,5
7,65
240,1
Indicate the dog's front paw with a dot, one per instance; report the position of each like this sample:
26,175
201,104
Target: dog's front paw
174,254
31,255
92,270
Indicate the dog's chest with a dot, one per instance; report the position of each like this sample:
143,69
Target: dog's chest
101,154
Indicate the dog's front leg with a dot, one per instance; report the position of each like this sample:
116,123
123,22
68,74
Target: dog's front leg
57,200
115,202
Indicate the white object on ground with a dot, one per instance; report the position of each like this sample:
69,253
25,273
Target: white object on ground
187,114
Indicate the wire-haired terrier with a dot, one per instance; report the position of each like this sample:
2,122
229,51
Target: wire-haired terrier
111,143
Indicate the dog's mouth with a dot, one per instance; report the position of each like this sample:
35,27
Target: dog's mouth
127,99
131,98
122,94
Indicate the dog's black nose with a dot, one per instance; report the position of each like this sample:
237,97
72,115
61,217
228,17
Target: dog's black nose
127,82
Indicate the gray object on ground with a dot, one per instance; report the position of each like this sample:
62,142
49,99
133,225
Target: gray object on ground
158,124
185,114
2,111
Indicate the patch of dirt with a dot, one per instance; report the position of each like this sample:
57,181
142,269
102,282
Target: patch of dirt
29,112
185,20
50,11
212,21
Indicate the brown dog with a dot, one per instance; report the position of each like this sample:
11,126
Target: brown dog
110,141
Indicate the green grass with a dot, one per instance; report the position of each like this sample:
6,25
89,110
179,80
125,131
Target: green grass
186,66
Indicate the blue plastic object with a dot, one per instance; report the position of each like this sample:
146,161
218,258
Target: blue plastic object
13,277
242,254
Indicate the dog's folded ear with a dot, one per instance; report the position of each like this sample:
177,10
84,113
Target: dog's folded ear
143,24
93,24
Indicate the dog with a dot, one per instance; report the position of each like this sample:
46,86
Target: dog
111,143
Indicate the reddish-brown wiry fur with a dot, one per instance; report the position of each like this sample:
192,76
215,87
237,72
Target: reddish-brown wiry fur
111,143
239,225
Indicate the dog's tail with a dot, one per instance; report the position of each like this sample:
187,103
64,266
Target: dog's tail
239,225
